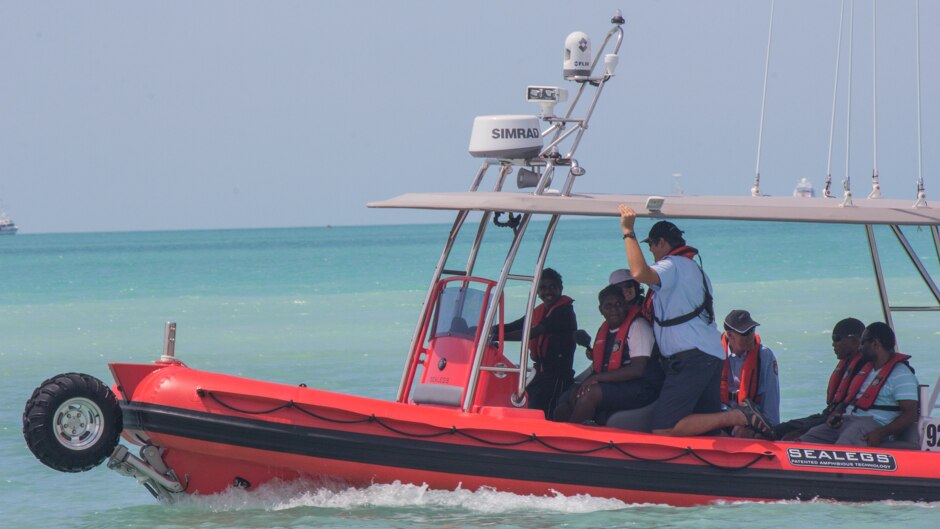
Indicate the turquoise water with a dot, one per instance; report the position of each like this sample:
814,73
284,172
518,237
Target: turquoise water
317,305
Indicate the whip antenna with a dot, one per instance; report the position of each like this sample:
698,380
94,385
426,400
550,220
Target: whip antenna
847,181
835,86
755,191
875,186
921,194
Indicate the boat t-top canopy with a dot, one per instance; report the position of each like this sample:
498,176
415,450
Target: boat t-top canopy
864,212
513,143
767,208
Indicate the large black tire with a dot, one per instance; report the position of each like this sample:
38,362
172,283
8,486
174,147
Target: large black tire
72,422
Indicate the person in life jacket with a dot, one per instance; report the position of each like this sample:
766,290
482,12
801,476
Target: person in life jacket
625,373
680,306
750,370
631,289
846,335
881,400
551,343
633,295
750,386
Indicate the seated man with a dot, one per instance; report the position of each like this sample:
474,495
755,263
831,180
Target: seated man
624,374
881,400
750,370
750,385
845,344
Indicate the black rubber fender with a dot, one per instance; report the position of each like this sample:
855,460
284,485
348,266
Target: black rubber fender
72,422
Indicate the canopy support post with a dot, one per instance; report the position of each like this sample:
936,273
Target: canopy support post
879,274
441,263
917,262
491,310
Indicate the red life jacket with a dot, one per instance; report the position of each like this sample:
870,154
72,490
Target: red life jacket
867,399
688,252
750,373
539,345
841,377
600,343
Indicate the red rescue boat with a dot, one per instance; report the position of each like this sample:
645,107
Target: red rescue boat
217,431
460,419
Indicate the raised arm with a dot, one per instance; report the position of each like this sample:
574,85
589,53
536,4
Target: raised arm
638,267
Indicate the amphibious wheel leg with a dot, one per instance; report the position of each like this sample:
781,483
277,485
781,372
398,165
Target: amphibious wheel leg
148,469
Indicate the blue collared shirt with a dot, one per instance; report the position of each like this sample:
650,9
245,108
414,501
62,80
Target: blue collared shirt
680,291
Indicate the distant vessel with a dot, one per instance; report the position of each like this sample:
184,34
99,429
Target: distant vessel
7,227
804,188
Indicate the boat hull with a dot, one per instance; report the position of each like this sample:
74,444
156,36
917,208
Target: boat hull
218,431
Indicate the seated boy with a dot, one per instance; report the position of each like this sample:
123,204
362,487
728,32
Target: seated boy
624,374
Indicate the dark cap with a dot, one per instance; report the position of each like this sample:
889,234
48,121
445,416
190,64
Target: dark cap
848,327
740,321
663,230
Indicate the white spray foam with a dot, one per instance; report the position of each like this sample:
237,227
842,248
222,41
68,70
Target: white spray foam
279,495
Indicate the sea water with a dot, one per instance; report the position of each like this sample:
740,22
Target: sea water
335,308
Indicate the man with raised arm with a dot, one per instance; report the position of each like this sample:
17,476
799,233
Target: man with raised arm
680,306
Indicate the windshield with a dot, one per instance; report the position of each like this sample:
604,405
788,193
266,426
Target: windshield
458,311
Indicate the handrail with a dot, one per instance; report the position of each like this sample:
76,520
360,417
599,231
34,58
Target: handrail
530,303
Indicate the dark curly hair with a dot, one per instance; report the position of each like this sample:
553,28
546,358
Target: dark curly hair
881,332
609,290
550,273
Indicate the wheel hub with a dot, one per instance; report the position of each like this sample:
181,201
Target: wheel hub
78,423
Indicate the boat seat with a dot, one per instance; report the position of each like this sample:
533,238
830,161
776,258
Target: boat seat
437,394
637,420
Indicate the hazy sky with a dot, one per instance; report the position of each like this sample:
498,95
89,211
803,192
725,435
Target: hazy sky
178,115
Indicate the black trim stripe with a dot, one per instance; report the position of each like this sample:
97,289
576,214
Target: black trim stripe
516,464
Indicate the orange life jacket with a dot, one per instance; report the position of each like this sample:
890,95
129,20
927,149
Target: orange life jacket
750,373
841,377
867,399
539,345
616,355
688,252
